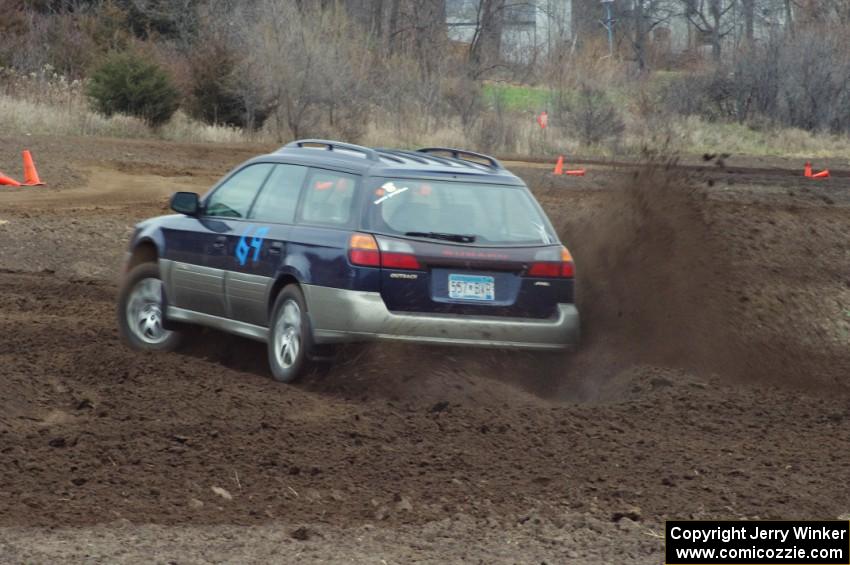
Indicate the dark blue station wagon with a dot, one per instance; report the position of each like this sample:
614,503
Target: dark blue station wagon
324,243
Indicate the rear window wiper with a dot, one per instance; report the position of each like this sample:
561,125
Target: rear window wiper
460,238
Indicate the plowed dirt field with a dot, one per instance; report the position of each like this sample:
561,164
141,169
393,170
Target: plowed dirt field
713,382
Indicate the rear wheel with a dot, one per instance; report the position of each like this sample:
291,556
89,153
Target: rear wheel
141,311
290,338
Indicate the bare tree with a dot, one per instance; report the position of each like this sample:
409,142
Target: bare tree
486,46
789,17
711,18
822,11
429,32
279,46
644,17
413,26
749,9
313,64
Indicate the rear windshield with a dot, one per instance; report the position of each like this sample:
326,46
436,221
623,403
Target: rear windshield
492,214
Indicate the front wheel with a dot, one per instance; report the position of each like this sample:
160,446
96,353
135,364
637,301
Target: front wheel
141,311
290,338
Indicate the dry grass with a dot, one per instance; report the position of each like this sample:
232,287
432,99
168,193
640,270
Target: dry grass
62,110
46,103
35,118
73,118
183,128
693,135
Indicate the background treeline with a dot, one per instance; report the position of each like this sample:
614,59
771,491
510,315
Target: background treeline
755,72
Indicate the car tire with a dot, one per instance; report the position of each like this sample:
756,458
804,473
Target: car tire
290,335
141,311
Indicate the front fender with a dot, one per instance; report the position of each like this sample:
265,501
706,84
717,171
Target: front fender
146,235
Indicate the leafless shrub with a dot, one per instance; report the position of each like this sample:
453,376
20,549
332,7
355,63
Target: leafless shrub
312,64
813,92
800,82
465,97
757,77
593,117
647,117
567,67
397,98
213,95
496,132
709,95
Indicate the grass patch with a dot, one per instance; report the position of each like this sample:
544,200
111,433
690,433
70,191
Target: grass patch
519,98
73,117
696,136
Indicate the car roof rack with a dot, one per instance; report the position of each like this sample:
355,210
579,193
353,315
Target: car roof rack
402,155
463,155
412,156
446,156
330,145
427,158
389,155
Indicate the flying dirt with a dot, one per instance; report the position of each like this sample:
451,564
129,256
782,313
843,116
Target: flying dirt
712,383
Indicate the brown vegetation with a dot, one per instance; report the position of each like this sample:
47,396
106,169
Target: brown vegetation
396,72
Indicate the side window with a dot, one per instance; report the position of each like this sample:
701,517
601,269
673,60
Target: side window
233,198
328,198
279,196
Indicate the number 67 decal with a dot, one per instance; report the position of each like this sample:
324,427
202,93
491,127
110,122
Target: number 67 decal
243,249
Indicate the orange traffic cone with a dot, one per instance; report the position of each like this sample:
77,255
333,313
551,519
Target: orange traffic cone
576,172
559,166
821,175
8,181
30,174
807,170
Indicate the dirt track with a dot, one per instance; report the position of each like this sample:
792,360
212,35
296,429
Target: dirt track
713,383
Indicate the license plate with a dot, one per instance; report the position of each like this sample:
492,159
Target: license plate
472,287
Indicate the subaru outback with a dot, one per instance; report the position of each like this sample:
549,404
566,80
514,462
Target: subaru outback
323,242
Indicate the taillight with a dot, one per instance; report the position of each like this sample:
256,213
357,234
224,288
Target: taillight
399,261
397,254
565,268
363,250
544,270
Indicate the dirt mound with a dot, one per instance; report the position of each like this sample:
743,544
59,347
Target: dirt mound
437,376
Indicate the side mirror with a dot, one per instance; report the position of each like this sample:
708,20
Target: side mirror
186,203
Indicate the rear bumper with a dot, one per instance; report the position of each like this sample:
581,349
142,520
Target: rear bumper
339,315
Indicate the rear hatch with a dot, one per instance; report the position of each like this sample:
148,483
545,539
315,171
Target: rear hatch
466,248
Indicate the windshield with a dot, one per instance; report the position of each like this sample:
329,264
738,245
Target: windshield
456,211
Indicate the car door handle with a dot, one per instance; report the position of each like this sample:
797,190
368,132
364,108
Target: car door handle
276,247
220,242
